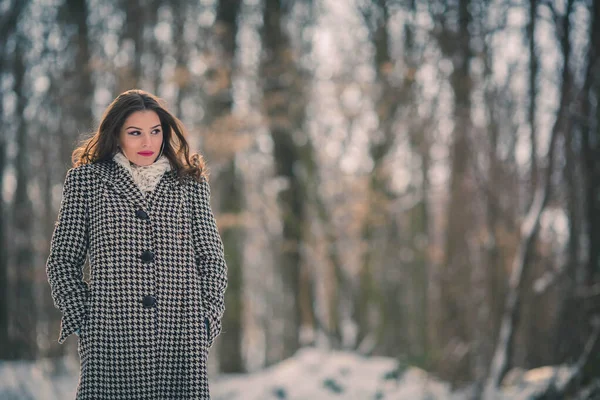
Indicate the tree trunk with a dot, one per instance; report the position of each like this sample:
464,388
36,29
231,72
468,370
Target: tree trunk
419,215
375,317
133,30
220,110
4,301
8,26
77,90
533,73
570,321
487,275
23,321
457,268
591,147
81,107
337,286
72,99
591,163
284,102
182,55
501,361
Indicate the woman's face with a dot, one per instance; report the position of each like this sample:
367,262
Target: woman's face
141,137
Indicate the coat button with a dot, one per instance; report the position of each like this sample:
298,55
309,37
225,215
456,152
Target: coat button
147,257
141,214
149,301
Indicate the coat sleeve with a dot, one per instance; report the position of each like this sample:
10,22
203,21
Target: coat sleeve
210,258
68,250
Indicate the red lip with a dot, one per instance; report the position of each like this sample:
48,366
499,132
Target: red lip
145,153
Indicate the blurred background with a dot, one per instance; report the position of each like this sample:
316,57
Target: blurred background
418,180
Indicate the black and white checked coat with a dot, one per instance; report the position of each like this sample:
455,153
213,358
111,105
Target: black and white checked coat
158,275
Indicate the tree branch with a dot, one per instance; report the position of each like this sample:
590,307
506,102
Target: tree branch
530,227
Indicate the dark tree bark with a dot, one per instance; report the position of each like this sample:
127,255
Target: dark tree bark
419,215
139,15
182,50
487,278
502,361
71,97
81,108
220,109
591,147
77,88
533,73
8,26
392,227
570,315
590,132
3,253
367,302
134,31
337,283
284,102
24,313
454,286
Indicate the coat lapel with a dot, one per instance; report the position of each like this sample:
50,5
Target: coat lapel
167,188
121,182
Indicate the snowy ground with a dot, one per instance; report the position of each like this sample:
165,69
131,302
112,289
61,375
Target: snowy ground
311,374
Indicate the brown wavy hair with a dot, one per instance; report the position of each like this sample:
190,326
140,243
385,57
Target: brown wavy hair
103,143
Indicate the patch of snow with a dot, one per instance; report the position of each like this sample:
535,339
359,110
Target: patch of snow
317,374
311,374
42,379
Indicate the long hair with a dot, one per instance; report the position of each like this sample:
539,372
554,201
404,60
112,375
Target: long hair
103,143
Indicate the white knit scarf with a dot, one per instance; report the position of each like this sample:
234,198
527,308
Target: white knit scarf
145,177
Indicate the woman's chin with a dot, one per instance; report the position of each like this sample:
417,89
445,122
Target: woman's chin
142,161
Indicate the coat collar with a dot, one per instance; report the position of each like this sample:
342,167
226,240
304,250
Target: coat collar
121,181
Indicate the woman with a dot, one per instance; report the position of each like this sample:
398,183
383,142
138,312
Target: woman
138,205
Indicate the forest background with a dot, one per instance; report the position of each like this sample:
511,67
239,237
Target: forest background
415,179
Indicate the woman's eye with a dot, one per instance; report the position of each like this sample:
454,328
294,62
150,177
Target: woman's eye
156,131
134,133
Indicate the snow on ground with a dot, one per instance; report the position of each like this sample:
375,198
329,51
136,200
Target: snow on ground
40,380
318,375
311,374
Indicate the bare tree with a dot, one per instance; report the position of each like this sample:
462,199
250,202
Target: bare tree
368,300
416,215
78,96
222,124
453,33
529,228
140,19
70,97
590,148
3,253
284,103
8,27
533,84
392,283
23,321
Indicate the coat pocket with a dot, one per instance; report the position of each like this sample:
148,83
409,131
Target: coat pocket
207,327
213,328
85,322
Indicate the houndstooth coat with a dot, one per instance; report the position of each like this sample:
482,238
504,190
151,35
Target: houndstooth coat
155,297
